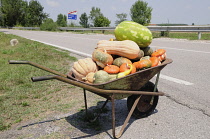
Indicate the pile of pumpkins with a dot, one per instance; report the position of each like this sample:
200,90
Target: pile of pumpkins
113,59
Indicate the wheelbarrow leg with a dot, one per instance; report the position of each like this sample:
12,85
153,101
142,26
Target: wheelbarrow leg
99,113
126,120
85,100
86,111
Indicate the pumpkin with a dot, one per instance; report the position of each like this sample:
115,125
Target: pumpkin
102,58
126,72
125,67
112,69
126,48
89,77
155,61
160,53
147,51
145,57
145,63
129,30
101,76
112,77
82,67
120,60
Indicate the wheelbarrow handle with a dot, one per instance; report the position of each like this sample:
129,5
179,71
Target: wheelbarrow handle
37,66
42,78
18,62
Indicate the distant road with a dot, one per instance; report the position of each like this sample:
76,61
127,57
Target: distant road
186,80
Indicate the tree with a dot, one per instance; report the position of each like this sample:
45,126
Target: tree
48,25
35,14
84,20
141,13
61,20
20,12
101,21
95,12
11,11
0,15
122,17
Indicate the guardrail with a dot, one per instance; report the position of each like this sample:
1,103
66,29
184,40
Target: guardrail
198,29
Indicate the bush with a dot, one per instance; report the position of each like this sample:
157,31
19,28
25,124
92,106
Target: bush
49,25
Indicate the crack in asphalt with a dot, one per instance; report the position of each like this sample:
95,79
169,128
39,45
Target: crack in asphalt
186,105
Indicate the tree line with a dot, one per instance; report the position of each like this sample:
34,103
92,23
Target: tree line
30,14
20,12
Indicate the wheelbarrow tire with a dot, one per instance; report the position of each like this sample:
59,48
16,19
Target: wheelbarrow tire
146,104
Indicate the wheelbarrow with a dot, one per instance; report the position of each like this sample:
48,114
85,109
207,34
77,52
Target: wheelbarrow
142,95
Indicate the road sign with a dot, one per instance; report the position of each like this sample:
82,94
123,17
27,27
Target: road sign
72,15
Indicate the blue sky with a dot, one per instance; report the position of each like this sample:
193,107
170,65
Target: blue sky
164,11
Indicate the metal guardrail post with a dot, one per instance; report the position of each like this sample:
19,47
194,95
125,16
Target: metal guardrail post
199,35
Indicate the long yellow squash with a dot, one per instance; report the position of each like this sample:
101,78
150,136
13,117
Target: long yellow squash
126,48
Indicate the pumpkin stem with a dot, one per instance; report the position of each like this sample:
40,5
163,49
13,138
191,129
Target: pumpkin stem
127,66
105,50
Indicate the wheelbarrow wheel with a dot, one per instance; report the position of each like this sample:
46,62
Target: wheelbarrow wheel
146,104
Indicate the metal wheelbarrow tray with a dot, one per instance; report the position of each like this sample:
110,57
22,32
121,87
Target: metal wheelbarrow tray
142,95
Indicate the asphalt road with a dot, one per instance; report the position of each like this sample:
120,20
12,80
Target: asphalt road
185,111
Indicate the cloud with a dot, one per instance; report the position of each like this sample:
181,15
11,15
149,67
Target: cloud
52,3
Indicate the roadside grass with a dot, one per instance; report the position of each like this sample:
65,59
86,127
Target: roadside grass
189,35
181,35
20,98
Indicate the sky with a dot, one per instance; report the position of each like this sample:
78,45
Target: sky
164,11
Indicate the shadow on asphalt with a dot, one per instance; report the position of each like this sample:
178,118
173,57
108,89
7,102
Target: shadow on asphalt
104,122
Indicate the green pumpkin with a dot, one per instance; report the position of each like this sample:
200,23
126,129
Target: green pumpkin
112,77
120,60
147,51
129,30
101,76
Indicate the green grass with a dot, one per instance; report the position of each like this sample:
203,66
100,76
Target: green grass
20,98
189,35
182,35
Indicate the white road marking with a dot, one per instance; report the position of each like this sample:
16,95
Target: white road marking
88,55
61,47
175,80
183,50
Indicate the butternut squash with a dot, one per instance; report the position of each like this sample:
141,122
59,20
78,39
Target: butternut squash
126,48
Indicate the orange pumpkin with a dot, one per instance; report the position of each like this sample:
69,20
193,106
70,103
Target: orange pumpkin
145,63
160,53
155,61
125,67
112,69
